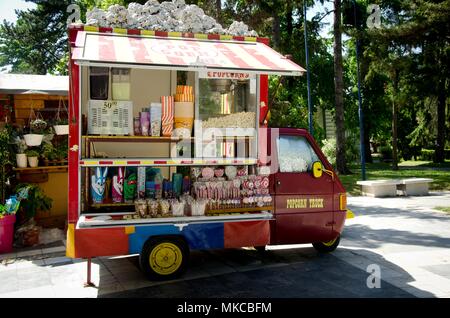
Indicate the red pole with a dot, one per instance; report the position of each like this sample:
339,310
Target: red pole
88,281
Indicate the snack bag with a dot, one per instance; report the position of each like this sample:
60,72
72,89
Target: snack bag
167,115
98,181
117,186
155,119
130,185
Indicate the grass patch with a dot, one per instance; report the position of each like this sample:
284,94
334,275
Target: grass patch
441,177
445,209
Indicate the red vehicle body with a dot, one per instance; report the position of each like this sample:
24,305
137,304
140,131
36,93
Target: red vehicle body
308,206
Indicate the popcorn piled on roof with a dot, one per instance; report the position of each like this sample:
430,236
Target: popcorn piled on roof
96,17
172,15
117,16
240,29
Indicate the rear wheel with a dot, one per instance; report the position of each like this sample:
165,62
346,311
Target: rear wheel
164,258
326,247
260,249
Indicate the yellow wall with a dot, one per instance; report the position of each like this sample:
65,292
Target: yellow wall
56,188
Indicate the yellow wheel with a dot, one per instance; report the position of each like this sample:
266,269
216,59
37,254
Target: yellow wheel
164,258
326,247
330,243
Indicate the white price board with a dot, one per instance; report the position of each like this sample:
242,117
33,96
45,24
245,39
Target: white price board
110,117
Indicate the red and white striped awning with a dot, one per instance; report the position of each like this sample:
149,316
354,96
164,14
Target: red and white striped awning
97,49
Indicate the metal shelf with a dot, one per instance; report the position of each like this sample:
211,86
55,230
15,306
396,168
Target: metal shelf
161,162
181,221
133,139
240,210
160,139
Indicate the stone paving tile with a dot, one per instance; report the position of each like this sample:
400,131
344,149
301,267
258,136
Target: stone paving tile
8,256
29,253
35,292
58,260
9,284
56,249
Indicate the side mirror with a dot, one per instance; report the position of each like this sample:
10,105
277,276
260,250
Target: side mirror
317,169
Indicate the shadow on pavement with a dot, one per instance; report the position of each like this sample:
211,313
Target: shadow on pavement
294,271
366,237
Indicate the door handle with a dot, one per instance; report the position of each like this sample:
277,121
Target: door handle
278,182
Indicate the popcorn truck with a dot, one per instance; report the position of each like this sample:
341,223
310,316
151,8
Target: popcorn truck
170,151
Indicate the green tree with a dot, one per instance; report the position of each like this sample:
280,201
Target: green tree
36,42
416,33
341,164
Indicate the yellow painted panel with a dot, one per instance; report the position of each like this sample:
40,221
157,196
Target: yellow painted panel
90,163
119,30
250,39
350,214
175,34
91,28
70,248
130,229
147,32
226,37
201,36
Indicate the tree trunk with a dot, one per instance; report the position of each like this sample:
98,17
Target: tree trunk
440,140
394,122
276,30
290,29
341,164
218,11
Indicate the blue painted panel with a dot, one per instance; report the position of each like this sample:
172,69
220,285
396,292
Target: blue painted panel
198,236
204,236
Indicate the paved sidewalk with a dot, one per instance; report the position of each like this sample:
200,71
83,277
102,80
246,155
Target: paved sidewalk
404,236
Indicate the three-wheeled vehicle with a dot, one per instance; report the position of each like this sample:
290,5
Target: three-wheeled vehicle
170,151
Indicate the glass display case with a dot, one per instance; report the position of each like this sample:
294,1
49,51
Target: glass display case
226,116
120,84
99,83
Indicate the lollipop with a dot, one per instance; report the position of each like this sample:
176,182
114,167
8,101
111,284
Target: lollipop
218,172
207,172
265,183
230,172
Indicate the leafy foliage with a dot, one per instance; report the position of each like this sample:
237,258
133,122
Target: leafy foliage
37,200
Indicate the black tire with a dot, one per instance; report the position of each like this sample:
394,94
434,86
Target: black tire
169,261
260,249
327,247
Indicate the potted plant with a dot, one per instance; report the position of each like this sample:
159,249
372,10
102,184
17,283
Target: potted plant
62,127
21,157
62,124
35,200
37,128
33,157
48,153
